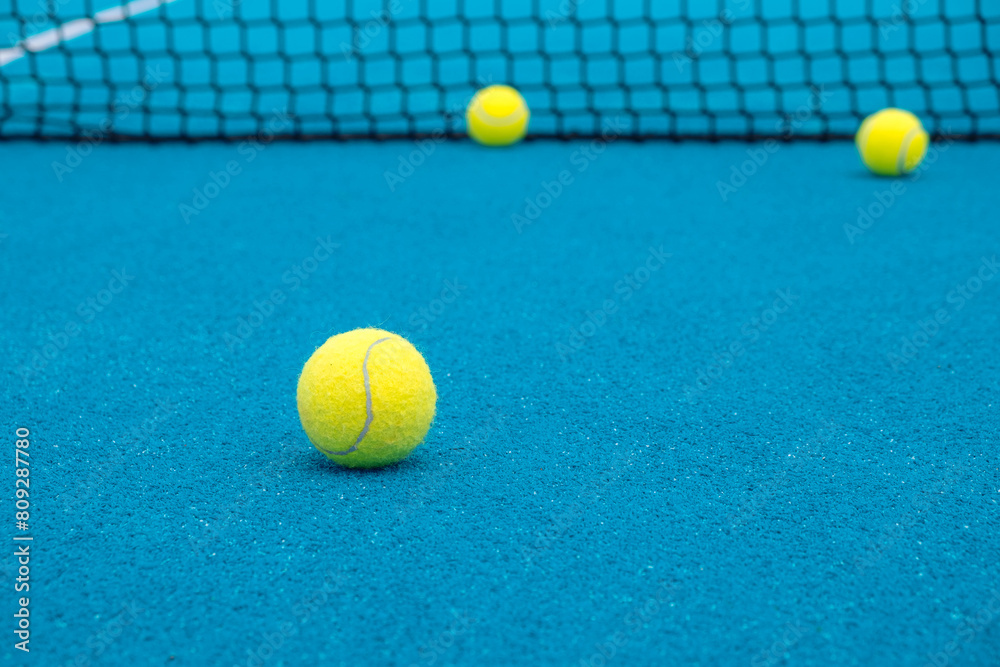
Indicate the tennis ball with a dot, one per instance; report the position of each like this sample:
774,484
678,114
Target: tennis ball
497,116
366,398
891,142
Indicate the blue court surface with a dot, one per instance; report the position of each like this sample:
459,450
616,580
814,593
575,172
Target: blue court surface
673,427
699,403
220,68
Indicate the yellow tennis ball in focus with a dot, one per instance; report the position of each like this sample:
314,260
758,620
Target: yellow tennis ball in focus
891,142
497,116
366,398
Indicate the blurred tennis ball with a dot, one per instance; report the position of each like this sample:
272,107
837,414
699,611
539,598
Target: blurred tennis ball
497,116
891,142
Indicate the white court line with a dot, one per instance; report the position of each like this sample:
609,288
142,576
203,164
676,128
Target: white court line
76,28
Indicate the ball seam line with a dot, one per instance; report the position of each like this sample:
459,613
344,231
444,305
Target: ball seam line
866,130
904,150
369,414
515,116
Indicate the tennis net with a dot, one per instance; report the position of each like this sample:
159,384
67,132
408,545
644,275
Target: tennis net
674,69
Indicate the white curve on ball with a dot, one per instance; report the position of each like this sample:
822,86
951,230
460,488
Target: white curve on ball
866,129
904,149
515,116
368,401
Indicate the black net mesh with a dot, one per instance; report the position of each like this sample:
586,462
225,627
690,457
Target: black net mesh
189,69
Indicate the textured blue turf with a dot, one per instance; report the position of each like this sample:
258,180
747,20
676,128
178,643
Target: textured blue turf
625,486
